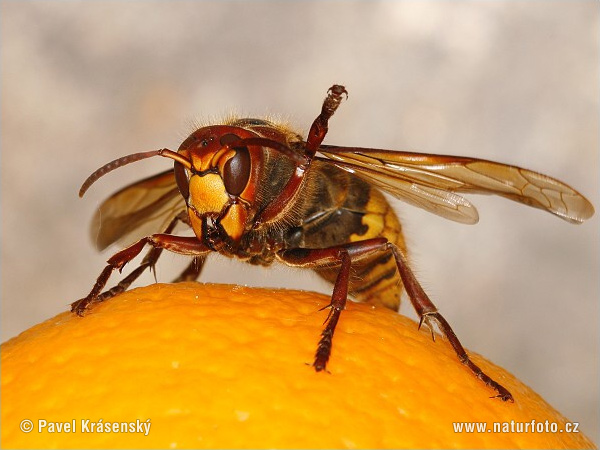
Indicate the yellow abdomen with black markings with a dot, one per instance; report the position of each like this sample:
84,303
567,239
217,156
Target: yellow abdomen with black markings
377,279
338,208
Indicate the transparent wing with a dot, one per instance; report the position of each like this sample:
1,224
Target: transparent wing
140,209
431,182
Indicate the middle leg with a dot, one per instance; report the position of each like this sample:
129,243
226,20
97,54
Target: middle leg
342,256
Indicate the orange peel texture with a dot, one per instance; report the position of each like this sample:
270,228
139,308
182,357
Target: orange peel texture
219,366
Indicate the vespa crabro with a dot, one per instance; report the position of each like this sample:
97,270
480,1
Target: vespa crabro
258,191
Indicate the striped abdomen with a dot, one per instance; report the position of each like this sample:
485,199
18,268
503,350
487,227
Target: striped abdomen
338,208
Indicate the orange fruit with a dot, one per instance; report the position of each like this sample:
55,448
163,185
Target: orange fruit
222,366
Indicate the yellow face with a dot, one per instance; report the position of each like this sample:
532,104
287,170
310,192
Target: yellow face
208,197
219,190
207,193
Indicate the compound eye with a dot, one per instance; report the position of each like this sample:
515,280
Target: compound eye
182,180
236,171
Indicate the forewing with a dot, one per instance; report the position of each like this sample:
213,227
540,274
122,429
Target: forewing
418,174
137,210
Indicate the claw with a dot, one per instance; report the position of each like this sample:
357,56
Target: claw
80,306
426,320
505,397
330,306
153,270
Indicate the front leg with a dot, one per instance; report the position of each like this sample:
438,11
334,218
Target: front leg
279,205
177,244
149,262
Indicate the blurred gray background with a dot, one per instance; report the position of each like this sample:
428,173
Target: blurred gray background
83,83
